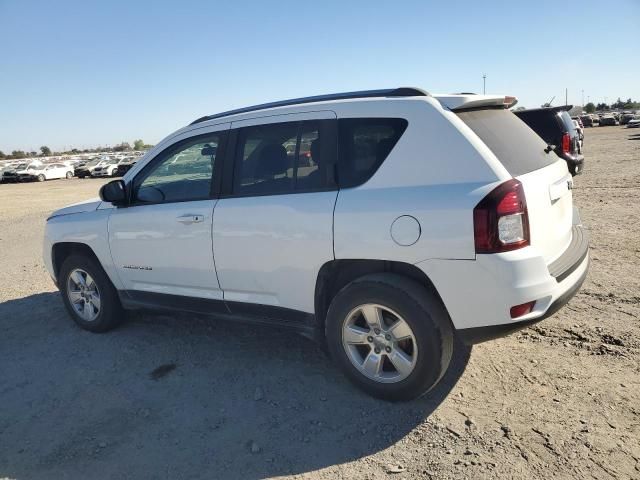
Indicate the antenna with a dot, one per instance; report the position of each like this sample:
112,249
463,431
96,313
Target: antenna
548,104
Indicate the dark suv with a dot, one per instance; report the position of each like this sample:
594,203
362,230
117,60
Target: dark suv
555,126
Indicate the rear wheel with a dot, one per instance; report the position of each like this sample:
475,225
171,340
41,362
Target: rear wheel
69,175
88,294
391,336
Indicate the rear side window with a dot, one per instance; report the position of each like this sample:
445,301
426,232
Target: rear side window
516,145
364,143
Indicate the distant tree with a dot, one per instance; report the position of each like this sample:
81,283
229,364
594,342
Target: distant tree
602,106
138,145
2,155
46,151
590,107
33,154
123,147
18,154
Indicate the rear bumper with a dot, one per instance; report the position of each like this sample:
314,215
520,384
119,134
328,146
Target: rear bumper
479,294
575,163
475,335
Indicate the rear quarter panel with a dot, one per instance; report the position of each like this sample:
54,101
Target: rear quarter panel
437,172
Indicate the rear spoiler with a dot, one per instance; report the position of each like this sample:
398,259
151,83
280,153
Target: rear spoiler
463,101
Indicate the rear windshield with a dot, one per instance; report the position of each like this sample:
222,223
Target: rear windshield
518,147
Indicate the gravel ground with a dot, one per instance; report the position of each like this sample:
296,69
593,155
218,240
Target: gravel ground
181,397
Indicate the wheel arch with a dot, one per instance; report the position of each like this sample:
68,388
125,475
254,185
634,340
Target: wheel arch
336,274
62,250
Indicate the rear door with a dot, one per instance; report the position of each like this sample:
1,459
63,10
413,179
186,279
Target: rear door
544,176
273,226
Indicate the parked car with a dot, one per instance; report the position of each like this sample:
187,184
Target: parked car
625,118
41,172
106,168
125,165
554,126
634,122
11,173
580,131
85,171
24,174
607,120
587,120
385,242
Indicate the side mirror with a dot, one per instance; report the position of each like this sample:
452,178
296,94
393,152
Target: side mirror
114,192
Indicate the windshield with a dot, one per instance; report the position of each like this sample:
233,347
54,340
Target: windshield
518,147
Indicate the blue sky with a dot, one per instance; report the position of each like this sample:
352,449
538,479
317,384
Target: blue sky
84,73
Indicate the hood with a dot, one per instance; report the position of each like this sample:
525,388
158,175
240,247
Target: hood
86,206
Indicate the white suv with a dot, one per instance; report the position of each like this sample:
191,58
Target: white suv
383,222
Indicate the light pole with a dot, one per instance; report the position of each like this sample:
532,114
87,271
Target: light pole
484,83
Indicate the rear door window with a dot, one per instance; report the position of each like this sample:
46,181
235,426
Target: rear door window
282,158
518,147
364,143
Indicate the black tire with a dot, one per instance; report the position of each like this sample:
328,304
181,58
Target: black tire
41,178
424,313
69,175
111,313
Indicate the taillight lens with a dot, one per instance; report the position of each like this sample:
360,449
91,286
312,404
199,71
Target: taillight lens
566,143
500,220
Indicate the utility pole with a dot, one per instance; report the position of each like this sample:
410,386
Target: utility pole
583,97
484,83
566,96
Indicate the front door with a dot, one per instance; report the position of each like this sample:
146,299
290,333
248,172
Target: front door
161,244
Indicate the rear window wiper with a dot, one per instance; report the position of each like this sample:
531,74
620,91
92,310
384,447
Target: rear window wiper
549,149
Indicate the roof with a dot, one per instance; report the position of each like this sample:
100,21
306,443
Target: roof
389,92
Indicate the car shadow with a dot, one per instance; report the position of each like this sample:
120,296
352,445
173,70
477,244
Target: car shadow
635,136
182,397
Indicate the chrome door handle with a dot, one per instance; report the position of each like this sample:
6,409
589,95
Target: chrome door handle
189,219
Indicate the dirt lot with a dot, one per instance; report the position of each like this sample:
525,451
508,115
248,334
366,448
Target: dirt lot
169,397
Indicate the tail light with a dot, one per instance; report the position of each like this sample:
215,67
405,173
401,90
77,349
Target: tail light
500,220
566,143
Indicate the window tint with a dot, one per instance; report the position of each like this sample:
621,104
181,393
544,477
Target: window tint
283,158
364,143
516,145
183,172
544,122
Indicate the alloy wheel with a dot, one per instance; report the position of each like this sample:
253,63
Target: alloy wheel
83,294
379,343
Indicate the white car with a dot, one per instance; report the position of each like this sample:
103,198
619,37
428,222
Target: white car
385,223
41,172
580,131
106,168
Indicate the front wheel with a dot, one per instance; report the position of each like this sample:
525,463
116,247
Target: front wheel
391,336
88,294
41,178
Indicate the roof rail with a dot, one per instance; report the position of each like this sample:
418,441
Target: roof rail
389,92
